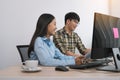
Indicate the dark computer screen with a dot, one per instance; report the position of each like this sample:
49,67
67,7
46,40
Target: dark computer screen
106,35
106,39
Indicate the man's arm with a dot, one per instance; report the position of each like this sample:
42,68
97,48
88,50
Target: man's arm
63,49
81,46
58,40
69,53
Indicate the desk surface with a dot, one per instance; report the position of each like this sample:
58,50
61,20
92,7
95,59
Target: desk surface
49,73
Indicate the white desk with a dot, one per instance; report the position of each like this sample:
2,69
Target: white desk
49,73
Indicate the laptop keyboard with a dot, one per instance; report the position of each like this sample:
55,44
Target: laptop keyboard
91,64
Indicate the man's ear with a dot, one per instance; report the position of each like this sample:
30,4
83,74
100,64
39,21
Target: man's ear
68,21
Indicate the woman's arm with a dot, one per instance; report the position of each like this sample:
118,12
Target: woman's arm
45,58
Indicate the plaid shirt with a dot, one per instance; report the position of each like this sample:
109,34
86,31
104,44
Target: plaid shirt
66,42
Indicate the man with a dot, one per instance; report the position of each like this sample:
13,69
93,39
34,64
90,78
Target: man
67,40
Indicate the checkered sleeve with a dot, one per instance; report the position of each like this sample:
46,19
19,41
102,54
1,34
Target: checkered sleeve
58,40
80,45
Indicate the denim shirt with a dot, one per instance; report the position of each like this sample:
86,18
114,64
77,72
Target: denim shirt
48,55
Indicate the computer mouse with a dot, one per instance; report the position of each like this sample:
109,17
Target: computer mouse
61,68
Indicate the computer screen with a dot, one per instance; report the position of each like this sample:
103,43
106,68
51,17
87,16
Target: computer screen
106,37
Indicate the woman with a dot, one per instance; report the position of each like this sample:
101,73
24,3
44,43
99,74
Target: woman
43,49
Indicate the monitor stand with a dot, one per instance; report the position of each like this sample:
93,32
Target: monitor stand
116,66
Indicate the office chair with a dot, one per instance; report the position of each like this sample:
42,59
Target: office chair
23,51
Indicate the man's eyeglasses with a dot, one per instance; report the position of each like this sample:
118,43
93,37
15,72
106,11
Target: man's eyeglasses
76,21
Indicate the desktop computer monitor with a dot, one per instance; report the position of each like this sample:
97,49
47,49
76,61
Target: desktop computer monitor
106,40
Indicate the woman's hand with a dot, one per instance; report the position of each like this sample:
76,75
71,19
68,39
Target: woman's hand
82,60
79,60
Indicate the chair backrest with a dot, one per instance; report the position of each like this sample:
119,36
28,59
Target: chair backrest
23,51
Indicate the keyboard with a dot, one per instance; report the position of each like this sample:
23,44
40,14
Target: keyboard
94,63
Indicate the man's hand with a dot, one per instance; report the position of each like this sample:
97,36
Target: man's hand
87,51
72,54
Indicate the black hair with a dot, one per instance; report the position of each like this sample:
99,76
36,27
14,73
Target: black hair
72,15
41,29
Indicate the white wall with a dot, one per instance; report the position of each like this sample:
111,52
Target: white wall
115,8
18,21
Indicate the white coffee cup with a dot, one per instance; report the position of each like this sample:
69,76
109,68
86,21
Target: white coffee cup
31,64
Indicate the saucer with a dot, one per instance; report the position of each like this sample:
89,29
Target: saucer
26,69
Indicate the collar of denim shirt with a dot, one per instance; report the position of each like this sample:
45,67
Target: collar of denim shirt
47,41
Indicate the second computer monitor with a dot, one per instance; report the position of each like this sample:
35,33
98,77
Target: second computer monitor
106,40
106,35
